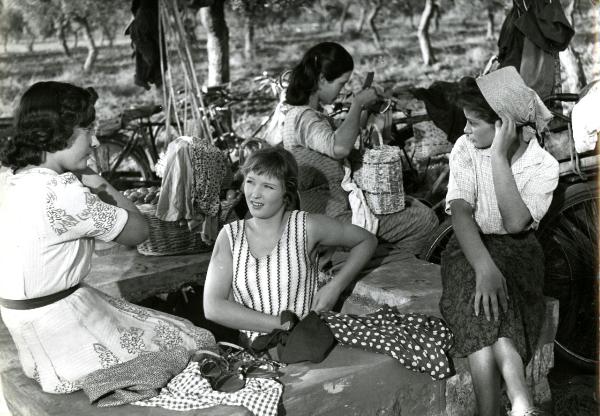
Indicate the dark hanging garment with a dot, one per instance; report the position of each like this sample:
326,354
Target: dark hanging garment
510,41
439,101
143,31
545,24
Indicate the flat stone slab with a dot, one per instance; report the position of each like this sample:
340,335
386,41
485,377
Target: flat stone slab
348,382
355,382
123,272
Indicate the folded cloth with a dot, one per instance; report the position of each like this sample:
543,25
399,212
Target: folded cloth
361,213
419,342
189,390
586,123
137,379
310,340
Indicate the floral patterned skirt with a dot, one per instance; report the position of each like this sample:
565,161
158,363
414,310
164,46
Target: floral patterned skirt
521,260
60,343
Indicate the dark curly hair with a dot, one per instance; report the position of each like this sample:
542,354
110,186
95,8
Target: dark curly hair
469,96
277,163
44,121
327,58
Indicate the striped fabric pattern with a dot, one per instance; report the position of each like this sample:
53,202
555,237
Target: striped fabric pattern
291,274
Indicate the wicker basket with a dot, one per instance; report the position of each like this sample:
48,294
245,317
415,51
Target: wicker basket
169,237
379,175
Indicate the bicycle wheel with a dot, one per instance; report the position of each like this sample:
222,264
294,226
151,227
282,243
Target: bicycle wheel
134,168
569,236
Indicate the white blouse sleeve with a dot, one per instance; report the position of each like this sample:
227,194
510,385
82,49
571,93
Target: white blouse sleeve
461,181
537,192
316,132
74,212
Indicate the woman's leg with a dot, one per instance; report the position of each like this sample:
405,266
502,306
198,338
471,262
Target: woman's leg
511,367
486,381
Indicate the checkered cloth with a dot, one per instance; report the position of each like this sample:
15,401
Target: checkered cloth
189,391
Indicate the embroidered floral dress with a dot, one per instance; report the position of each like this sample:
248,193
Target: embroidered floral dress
48,223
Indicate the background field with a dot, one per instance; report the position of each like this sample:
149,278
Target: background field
459,44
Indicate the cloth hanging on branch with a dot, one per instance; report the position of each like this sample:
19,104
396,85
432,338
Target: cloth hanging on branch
144,34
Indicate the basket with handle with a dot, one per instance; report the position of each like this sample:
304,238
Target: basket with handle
168,238
378,173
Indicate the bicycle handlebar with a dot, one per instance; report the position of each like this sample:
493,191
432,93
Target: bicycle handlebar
564,96
143,111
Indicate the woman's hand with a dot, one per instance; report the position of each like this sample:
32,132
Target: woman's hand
366,97
326,297
506,135
490,289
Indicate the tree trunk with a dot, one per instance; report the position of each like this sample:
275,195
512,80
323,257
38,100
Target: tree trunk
249,50
435,16
90,59
31,43
570,61
108,35
217,42
423,34
490,32
361,18
375,7
62,36
343,16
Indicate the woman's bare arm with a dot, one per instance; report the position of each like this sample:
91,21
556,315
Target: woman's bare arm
327,231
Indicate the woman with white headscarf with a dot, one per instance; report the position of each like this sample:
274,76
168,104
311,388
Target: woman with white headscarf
500,186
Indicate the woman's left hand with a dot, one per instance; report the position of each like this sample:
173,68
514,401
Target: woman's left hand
325,298
505,136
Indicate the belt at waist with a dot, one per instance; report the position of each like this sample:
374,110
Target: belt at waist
34,303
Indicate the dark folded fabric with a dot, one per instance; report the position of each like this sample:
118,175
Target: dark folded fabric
439,100
310,340
137,379
510,41
545,24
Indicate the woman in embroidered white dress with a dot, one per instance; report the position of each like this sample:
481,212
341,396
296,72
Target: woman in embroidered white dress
52,207
267,264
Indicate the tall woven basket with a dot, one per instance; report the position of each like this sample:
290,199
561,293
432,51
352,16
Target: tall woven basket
379,175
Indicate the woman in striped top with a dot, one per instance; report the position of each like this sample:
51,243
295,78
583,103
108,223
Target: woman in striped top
267,264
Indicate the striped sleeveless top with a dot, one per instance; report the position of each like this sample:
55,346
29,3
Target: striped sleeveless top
284,279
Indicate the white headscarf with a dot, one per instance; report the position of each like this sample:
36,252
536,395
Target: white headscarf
507,94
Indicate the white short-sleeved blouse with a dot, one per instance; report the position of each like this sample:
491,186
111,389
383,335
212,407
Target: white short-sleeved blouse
535,173
48,222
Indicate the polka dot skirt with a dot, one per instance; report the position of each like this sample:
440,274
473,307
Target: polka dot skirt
419,342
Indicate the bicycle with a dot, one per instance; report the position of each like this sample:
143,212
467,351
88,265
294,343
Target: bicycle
128,148
133,143
569,237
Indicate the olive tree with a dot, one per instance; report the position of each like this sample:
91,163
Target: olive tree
58,16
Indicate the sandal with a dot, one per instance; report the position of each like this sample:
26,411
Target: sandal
217,371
